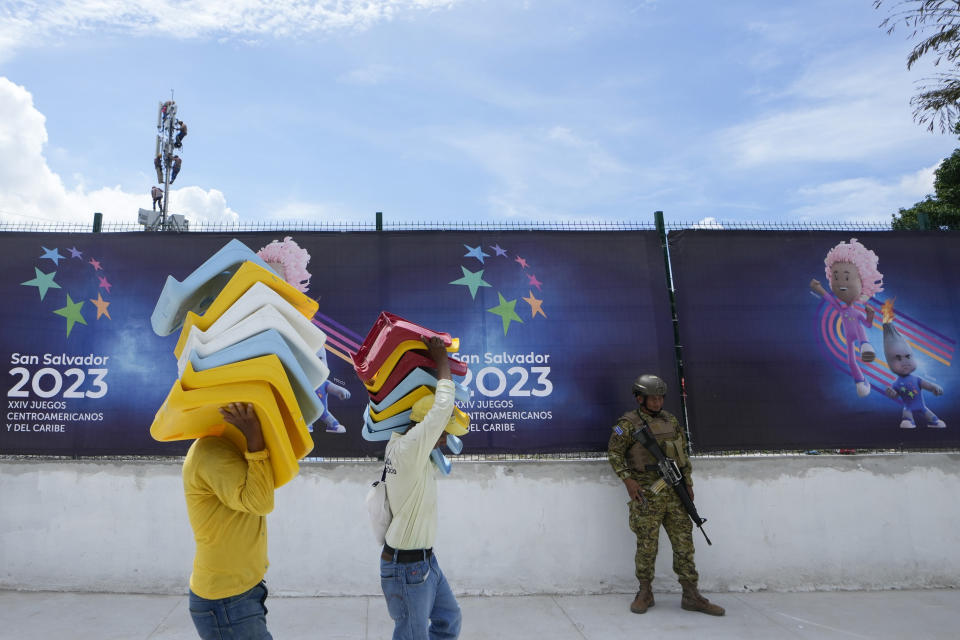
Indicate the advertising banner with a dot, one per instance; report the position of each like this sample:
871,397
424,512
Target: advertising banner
810,340
554,326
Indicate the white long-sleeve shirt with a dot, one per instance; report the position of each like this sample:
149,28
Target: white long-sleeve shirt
411,483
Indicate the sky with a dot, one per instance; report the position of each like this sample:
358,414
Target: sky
463,111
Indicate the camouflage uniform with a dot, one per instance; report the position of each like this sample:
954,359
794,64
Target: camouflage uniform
629,458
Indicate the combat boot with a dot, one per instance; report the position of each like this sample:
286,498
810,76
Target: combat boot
644,599
693,601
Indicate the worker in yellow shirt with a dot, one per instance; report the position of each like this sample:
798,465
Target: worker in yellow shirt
229,493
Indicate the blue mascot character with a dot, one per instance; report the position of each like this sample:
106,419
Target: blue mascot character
327,389
908,388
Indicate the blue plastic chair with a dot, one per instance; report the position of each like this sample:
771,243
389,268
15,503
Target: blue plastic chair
197,291
401,419
261,344
260,295
206,343
379,436
417,378
455,444
442,461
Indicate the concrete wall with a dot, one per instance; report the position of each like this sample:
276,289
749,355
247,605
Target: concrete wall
778,523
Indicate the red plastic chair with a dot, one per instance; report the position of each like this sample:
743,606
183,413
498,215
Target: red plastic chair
379,388
387,333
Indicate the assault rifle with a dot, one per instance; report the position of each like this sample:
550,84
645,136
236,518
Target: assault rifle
670,475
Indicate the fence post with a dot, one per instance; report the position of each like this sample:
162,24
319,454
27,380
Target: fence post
677,347
379,220
97,222
923,221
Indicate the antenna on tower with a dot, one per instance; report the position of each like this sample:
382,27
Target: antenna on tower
166,162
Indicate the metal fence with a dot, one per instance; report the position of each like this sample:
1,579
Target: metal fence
378,225
503,225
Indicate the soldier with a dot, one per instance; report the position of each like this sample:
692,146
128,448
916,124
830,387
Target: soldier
636,466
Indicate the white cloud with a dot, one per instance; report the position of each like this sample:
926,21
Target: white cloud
842,108
538,173
862,199
197,204
708,223
299,212
596,159
37,22
370,75
31,192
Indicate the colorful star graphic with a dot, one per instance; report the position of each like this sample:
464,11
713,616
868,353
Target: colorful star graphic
475,252
72,313
500,252
536,306
42,281
101,306
534,282
76,253
105,284
51,254
96,265
472,280
506,312
523,263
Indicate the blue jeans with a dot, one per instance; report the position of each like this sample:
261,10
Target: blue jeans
242,617
419,600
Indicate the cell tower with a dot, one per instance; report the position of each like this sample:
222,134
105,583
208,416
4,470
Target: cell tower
166,162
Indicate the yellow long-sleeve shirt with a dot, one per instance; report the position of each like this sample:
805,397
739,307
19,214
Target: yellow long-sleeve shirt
229,494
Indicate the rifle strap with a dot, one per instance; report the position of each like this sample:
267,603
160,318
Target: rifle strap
637,421
647,438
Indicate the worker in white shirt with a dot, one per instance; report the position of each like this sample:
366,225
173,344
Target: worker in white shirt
419,599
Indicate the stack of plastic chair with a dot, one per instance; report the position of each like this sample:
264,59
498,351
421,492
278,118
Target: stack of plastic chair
394,366
245,336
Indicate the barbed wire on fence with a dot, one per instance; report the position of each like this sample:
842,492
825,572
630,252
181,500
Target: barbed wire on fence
748,225
542,225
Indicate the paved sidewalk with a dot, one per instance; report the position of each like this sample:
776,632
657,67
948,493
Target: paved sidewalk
876,615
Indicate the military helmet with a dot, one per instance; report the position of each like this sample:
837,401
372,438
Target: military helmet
649,385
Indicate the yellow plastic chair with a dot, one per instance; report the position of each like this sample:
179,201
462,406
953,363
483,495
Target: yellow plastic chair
266,318
404,403
260,295
245,277
460,425
267,369
188,415
376,382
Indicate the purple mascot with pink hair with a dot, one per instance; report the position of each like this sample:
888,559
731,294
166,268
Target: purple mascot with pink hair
290,261
852,272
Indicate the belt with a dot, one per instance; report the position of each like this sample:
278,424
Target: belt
651,467
405,556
